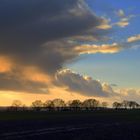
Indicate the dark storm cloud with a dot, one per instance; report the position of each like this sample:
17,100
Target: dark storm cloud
27,24
37,33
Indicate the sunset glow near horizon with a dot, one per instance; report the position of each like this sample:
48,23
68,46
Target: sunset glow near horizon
69,49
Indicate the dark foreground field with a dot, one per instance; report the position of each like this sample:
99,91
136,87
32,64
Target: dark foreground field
95,125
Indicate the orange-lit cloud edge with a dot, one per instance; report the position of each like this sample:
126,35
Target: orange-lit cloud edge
34,74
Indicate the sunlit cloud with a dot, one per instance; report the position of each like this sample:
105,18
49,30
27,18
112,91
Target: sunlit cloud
134,38
83,85
5,64
105,25
129,94
34,74
92,49
123,23
124,19
7,97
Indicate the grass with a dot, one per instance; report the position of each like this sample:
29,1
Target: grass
117,115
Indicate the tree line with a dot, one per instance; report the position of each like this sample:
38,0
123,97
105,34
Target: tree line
126,105
59,104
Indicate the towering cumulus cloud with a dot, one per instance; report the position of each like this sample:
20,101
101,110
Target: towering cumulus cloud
83,84
35,40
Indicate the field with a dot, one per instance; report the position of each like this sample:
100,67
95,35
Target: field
98,124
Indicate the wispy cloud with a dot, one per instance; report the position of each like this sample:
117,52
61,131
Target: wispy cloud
106,25
120,13
124,19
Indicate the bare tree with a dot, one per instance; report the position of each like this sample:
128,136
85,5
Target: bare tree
68,103
16,104
59,103
104,104
137,105
125,104
90,103
37,105
116,105
133,104
49,105
75,104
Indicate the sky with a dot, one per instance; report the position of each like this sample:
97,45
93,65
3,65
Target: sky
123,67
69,49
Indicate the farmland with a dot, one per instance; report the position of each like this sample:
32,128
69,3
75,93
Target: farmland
97,124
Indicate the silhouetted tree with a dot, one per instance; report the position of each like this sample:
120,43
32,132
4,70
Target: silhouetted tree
116,105
90,103
59,103
125,104
37,105
104,104
49,104
16,104
132,104
24,107
68,103
137,105
75,104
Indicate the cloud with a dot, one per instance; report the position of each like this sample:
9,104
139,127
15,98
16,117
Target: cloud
36,34
84,38
105,25
13,83
124,19
123,23
27,25
130,94
33,74
91,49
114,85
5,64
120,13
22,78
37,38
82,84
133,38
